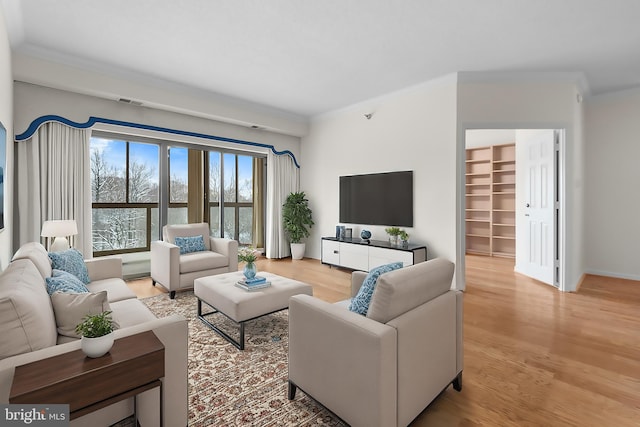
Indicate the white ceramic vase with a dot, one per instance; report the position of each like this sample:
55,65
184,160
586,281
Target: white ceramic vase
96,347
297,250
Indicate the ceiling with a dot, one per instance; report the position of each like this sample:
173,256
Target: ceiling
310,57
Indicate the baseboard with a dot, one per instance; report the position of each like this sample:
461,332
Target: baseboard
635,277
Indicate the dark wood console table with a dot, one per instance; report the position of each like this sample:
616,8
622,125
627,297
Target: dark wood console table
133,365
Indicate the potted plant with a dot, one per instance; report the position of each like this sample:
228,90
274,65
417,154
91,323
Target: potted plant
248,255
296,216
404,237
97,334
393,233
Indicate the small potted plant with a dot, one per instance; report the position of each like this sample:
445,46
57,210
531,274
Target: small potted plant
297,221
404,237
97,334
393,233
248,255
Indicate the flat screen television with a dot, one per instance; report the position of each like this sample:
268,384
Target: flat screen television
377,199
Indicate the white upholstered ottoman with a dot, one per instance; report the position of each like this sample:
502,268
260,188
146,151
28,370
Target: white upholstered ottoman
220,293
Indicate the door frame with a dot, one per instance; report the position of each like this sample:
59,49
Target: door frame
560,174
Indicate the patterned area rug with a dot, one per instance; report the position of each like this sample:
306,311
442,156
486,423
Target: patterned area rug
229,387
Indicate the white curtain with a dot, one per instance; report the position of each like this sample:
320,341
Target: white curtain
53,182
283,178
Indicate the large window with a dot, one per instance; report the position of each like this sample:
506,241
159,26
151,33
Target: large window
124,192
234,176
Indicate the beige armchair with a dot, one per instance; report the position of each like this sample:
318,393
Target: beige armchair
177,272
384,368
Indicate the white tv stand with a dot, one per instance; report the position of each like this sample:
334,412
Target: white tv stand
359,254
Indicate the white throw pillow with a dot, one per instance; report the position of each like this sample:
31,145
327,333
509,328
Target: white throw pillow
70,309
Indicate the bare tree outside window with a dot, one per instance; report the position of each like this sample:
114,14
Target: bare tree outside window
123,195
107,182
178,185
215,178
179,189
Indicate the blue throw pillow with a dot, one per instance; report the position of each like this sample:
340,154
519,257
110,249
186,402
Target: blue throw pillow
61,281
190,244
72,262
360,303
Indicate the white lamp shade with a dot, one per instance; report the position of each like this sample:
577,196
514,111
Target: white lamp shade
59,228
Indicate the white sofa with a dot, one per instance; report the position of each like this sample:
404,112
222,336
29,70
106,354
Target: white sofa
29,334
177,272
382,369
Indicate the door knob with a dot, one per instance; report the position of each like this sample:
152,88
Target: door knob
527,205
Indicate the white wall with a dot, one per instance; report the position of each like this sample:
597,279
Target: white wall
613,198
534,105
414,129
6,118
485,137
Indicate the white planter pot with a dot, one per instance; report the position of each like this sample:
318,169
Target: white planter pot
297,250
96,347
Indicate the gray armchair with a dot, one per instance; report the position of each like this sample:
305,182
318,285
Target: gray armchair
177,272
384,368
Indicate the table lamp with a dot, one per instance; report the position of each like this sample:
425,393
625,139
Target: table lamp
59,230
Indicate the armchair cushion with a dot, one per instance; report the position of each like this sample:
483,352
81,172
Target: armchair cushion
360,302
61,281
70,261
198,261
190,244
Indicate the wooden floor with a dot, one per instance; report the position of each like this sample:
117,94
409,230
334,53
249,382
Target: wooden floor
533,356
329,284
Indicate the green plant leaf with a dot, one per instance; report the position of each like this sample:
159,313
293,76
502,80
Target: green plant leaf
95,325
297,217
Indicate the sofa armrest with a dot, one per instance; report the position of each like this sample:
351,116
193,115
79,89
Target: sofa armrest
344,360
427,353
104,268
357,278
228,248
172,331
165,264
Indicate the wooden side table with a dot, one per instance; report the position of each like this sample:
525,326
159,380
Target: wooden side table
133,365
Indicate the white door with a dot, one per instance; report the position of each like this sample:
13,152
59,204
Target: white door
535,207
